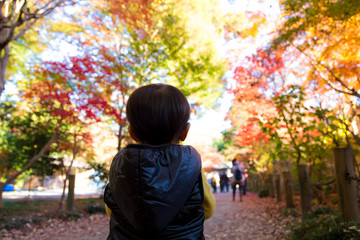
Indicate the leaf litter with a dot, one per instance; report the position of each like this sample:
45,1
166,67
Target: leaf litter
253,218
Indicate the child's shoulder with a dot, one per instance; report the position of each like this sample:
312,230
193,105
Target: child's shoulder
158,147
170,148
133,150
188,149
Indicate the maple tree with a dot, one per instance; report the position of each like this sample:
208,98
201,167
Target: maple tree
301,140
320,36
270,116
255,82
175,44
63,93
252,80
324,35
294,128
80,103
143,42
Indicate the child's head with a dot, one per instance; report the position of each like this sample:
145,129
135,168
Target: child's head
158,114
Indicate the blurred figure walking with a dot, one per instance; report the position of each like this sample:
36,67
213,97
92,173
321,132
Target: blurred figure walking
224,182
237,170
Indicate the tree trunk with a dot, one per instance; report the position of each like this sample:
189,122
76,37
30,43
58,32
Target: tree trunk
62,199
4,59
2,186
71,191
288,190
278,187
29,190
255,182
346,183
273,186
305,190
68,171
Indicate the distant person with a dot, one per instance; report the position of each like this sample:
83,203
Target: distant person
237,170
157,188
224,182
214,183
244,183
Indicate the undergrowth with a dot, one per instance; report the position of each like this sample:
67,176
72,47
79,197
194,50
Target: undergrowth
16,214
324,223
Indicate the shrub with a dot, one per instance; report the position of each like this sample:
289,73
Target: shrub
17,214
263,193
291,212
72,216
96,208
18,223
324,223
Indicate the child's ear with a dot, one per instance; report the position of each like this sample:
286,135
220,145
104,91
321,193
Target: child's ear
184,132
132,135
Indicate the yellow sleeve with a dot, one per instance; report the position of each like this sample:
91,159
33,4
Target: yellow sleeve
108,210
209,202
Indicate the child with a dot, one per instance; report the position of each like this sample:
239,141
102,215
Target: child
157,189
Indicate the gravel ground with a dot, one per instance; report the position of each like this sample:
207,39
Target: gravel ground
253,218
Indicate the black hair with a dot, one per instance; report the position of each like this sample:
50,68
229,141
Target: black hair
157,113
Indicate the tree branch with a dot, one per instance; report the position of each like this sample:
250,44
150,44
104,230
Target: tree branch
351,91
12,14
26,16
296,146
33,159
22,32
330,134
323,184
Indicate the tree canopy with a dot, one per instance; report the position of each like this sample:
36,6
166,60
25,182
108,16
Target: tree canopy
76,67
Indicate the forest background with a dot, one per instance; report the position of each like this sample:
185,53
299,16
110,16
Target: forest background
290,67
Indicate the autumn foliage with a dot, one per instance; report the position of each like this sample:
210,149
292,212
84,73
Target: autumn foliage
66,90
254,86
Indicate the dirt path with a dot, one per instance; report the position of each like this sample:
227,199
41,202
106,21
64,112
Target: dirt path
253,218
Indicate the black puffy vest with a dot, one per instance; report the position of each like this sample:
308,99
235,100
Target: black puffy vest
156,192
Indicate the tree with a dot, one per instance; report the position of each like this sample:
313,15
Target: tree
324,34
16,18
251,80
300,139
257,78
58,97
70,85
151,42
26,137
271,113
75,144
168,47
